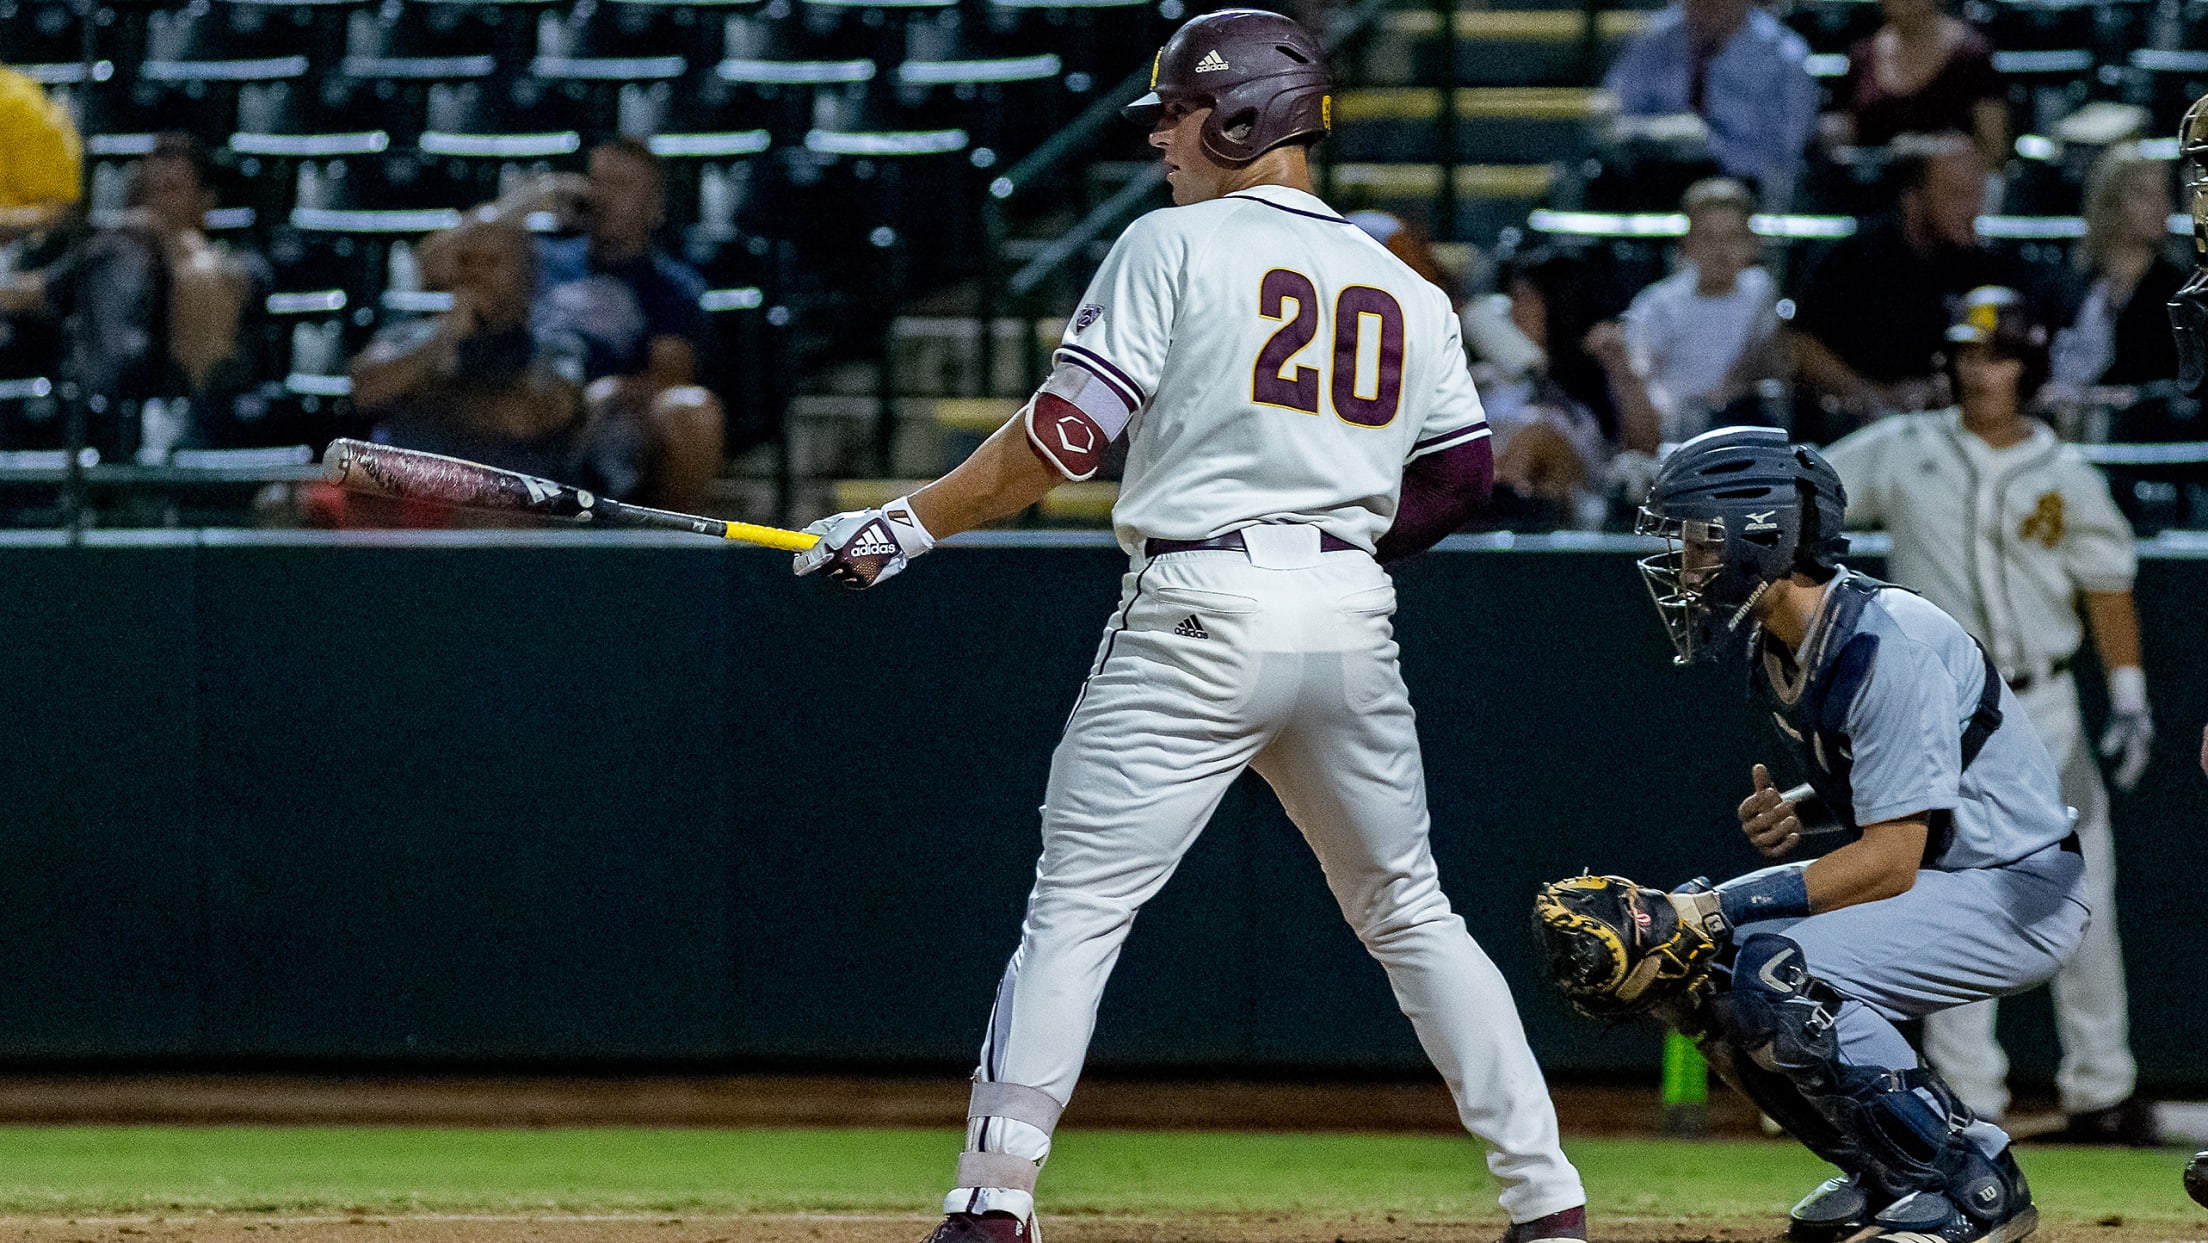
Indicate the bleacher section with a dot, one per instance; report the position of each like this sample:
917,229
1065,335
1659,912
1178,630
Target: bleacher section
860,180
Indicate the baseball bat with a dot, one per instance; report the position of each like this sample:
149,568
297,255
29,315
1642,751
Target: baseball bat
410,474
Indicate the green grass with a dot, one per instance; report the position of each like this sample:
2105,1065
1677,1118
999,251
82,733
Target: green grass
48,1170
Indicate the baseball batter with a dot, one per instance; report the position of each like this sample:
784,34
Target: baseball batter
2008,530
1957,879
1297,410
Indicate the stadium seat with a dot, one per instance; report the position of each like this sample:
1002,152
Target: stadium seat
1499,47
1513,125
616,42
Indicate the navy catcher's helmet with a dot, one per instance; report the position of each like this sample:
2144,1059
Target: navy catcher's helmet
1741,509
1263,76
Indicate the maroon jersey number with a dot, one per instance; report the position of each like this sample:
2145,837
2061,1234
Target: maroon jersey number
1267,384
1270,387
1350,310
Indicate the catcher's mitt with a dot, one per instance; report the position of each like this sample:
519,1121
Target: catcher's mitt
1617,949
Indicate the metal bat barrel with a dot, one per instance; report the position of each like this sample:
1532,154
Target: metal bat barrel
387,470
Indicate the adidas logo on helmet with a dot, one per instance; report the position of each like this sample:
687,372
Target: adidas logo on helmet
1212,62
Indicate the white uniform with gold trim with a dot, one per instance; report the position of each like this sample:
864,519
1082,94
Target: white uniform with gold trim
2003,540
1274,369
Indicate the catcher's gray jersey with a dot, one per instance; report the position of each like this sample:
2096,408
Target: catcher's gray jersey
1905,727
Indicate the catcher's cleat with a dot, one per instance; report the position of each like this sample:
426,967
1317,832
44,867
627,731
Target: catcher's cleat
1570,1223
983,1228
1989,1204
2196,1178
1839,1210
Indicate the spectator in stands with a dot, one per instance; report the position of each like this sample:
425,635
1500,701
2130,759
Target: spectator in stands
161,309
480,382
1870,328
1698,341
41,157
1923,72
2114,330
634,306
1733,65
1551,457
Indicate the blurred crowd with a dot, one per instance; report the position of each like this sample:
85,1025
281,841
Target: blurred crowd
552,332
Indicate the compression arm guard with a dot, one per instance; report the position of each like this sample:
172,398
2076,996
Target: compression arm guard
1440,491
1077,414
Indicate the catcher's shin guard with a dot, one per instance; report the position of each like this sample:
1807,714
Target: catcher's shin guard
1900,1131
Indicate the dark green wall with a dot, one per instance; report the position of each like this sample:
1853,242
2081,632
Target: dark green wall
600,799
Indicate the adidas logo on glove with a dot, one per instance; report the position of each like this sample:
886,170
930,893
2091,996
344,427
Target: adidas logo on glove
873,541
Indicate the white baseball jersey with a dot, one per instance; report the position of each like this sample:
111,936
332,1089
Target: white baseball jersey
1270,362
2032,525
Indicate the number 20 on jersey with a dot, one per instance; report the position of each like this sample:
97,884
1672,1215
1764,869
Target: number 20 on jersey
1365,395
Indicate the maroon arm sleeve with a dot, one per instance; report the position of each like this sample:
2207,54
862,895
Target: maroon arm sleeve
1440,491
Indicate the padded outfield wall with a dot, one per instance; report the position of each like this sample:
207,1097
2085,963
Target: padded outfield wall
560,797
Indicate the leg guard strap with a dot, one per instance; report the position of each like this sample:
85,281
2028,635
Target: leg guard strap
1018,1102
996,1169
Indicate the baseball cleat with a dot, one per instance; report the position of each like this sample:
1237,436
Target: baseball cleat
2131,1124
2196,1178
983,1228
1990,1204
1570,1223
1838,1211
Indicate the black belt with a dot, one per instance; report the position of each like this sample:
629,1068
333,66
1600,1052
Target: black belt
1232,541
2025,682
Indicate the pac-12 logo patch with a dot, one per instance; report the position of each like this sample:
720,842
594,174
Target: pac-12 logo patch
1089,313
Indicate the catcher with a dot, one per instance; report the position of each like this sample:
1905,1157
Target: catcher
1959,877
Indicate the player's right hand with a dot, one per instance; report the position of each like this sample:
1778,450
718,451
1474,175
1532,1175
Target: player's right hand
1768,819
861,547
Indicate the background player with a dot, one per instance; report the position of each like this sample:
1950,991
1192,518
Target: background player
2007,530
1296,402
1960,880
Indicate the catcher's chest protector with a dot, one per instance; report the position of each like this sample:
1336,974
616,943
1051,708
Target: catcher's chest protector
1815,725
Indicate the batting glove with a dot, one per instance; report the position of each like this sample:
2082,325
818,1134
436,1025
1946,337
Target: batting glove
2130,732
862,547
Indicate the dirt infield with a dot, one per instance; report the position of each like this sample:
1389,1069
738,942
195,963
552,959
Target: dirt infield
1414,1107
908,1229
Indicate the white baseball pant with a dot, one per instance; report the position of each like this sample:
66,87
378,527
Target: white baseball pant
2091,1017
1213,664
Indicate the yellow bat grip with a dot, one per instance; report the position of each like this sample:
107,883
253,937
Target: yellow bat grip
771,537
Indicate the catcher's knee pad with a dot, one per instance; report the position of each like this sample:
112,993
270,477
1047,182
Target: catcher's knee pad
1780,1016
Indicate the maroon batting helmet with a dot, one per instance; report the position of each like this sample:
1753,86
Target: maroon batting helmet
1263,76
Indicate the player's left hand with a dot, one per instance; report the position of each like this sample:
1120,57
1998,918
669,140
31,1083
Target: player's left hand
2129,738
862,547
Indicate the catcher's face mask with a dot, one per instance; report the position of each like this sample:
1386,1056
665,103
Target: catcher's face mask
1702,602
2189,307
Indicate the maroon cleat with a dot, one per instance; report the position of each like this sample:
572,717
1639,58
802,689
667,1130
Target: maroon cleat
1570,1223
984,1228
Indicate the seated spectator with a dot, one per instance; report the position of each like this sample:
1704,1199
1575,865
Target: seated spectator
1733,65
1869,331
480,382
1551,457
2110,305
1699,340
41,157
1923,72
635,308
161,309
